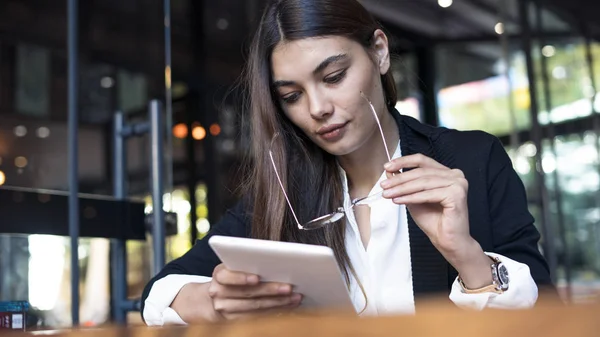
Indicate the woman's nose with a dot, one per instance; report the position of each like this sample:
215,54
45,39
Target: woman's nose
320,106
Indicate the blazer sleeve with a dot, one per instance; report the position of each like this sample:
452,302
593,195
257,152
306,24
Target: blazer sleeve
200,260
514,233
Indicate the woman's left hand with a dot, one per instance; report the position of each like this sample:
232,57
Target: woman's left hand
436,197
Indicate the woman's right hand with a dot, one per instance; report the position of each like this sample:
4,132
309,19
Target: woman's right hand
233,295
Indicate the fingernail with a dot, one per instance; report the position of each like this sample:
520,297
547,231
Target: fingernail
284,289
387,166
296,297
385,184
252,279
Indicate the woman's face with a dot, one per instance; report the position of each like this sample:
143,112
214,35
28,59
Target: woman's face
318,83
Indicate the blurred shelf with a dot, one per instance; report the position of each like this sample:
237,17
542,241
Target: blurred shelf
32,211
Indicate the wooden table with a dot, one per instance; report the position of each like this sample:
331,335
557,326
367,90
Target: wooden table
434,319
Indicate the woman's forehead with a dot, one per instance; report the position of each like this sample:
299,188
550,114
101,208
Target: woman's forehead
305,55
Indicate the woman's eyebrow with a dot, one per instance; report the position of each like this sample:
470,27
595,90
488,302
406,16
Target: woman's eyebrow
318,69
328,61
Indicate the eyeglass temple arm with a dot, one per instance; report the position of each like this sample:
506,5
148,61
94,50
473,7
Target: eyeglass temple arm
283,190
387,152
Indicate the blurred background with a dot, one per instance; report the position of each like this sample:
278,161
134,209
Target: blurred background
525,71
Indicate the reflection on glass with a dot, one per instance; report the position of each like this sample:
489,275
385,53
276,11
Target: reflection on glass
484,104
46,263
35,268
179,203
576,163
570,85
407,86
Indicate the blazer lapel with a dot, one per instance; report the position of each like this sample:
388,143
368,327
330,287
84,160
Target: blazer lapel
429,268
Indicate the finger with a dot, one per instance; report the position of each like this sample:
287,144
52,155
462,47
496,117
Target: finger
445,196
254,291
420,184
233,305
261,313
412,161
405,177
227,277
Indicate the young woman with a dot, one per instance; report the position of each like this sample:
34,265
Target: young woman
321,99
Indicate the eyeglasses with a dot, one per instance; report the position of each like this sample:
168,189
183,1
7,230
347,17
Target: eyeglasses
341,211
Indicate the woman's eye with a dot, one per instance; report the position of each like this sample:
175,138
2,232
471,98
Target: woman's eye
290,98
335,78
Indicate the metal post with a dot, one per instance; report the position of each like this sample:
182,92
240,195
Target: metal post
5,265
206,113
551,135
426,70
195,109
536,133
168,101
156,164
514,131
72,37
590,63
596,114
118,253
191,108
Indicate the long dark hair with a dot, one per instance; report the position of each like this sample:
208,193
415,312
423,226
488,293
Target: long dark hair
311,175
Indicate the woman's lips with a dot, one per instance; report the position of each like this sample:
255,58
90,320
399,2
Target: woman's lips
332,132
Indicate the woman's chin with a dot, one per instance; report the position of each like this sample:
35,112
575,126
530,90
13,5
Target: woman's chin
339,149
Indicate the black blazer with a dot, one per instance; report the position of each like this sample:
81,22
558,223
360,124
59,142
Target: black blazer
498,213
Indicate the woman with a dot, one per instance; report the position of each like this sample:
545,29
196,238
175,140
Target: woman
454,221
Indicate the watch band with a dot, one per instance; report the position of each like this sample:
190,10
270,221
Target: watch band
491,288
495,287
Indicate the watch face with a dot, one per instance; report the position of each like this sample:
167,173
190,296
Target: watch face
503,274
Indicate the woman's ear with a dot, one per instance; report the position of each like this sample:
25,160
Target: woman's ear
382,51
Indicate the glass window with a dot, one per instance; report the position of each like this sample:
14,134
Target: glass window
596,65
36,268
569,81
405,75
32,94
96,93
132,91
575,165
476,94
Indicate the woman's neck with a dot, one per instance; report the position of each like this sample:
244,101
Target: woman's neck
364,167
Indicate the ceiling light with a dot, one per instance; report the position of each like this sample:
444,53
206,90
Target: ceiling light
499,28
222,24
198,133
548,51
559,73
20,162
43,132
20,131
107,82
180,131
215,129
445,3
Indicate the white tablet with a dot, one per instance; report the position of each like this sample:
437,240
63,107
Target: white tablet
311,269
